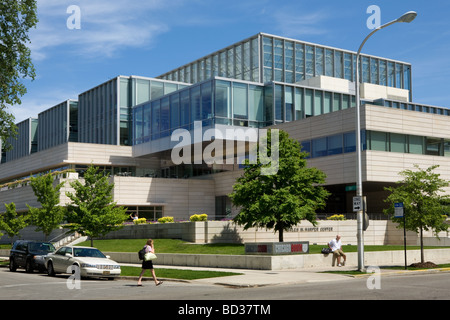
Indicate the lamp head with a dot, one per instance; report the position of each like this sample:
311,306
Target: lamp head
408,17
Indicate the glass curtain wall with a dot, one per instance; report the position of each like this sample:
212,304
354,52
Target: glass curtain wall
239,61
212,102
293,61
294,102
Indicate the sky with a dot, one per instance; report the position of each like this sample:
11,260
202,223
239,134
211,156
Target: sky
150,37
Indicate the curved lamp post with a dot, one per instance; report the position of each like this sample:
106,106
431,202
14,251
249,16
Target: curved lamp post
407,17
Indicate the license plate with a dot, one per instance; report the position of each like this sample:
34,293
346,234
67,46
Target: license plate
106,273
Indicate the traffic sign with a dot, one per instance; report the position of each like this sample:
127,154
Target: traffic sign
399,210
357,204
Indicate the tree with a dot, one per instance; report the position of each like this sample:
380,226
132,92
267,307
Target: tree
424,201
280,200
92,211
11,223
17,17
50,215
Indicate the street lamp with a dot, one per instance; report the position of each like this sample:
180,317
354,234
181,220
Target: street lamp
407,17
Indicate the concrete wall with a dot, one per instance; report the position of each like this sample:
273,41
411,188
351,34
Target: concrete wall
301,261
378,233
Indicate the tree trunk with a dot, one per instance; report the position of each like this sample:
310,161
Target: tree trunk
422,257
92,242
280,235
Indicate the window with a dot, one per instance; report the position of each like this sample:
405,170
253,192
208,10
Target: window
319,62
434,147
378,141
206,103
398,142
318,103
279,112
349,142
308,103
309,62
256,103
299,62
319,147
240,100
298,103
416,145
334,144
223,99
289,103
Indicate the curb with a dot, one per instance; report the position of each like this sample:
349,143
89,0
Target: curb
402,272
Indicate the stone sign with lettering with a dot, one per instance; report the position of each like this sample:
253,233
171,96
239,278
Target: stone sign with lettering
277,248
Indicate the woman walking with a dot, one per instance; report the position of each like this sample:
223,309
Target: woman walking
148,264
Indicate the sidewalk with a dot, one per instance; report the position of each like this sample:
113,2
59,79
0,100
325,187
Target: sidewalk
261,278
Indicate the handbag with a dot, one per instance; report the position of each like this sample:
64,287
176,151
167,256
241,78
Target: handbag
149,256
326,250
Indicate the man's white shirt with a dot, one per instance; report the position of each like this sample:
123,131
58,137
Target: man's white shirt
335,245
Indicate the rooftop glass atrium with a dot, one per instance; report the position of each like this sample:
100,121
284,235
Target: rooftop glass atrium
264,58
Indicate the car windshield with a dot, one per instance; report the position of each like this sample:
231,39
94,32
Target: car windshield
87,252
40,247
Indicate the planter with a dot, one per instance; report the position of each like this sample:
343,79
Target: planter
277,248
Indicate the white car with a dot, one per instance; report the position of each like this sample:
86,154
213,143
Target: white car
90,262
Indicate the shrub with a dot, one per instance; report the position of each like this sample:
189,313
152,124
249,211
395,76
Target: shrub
140,221
339,217
165,220
199,217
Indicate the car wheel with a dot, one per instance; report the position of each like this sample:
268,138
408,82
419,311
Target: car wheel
29,267
12,265
50,270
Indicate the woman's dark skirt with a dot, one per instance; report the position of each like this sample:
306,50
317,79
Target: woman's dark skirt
147,264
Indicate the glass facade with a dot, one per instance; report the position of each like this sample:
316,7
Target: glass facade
58,125
239,61
292,61
332,145
26,142
406,143
105,111
295,102
377,141
212,101
265,58
412,107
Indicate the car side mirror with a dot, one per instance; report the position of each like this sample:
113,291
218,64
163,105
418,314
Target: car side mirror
69,255
108,257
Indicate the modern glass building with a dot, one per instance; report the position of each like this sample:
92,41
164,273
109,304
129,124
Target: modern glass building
26,142
264,58
125,125
104,114
57,125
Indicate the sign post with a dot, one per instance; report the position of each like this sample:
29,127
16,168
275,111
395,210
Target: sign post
400,213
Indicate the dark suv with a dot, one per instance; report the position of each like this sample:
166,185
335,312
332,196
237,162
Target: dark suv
29,255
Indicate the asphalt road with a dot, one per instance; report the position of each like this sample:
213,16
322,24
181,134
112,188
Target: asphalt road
37,286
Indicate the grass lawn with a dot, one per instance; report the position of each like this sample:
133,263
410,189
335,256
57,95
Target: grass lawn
176,273
179,246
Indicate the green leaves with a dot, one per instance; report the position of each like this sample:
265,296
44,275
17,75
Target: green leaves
281,200
424,200
50,215
92,211
11,222
17,17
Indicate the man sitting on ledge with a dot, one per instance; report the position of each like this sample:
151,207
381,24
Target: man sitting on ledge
336,247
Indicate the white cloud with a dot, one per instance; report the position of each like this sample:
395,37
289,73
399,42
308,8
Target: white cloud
289,22
106,26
